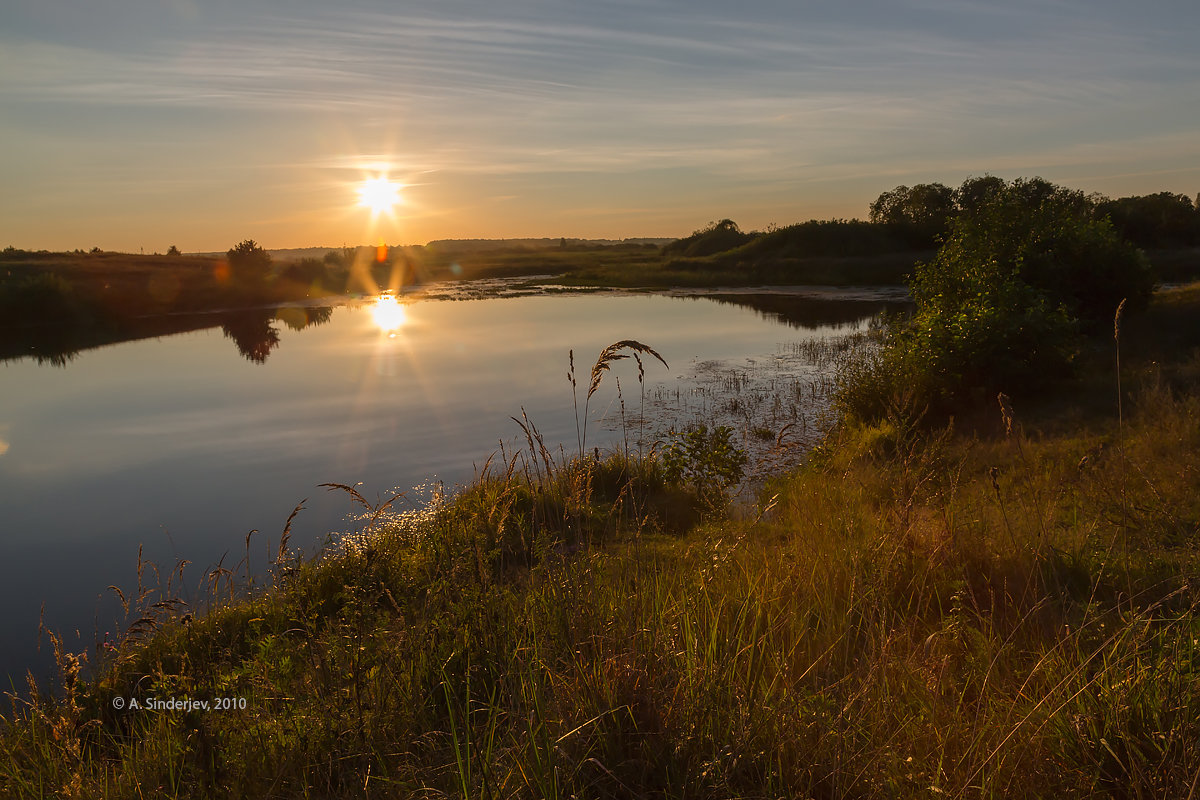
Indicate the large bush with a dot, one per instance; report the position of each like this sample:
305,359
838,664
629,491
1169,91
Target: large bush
1046,237
1021,273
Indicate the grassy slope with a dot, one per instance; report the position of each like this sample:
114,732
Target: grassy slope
989,615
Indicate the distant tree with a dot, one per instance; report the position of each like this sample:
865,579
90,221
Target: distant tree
249,262
308,274
173,251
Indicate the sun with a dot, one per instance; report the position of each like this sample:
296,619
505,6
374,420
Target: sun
379,194
388,313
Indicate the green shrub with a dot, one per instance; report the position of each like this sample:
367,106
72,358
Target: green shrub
706,462
1044,236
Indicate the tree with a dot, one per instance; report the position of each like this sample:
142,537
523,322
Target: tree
918,214
173,251
248,262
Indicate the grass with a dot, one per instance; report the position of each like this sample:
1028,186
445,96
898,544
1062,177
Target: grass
1007,608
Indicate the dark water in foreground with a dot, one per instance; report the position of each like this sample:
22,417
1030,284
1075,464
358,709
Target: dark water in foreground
183,444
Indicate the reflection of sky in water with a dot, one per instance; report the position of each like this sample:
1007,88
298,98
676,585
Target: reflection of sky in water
181,444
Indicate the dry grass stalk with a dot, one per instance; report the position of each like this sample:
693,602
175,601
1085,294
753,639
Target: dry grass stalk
607,356
1117,342
287,532
1006,413
613,353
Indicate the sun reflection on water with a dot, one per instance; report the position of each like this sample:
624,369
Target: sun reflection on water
388,313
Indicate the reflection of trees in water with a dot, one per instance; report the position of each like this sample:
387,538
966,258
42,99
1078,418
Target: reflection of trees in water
811,313
252,332
56,339
298,318
255,334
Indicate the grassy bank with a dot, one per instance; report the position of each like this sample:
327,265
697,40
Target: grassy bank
1006,608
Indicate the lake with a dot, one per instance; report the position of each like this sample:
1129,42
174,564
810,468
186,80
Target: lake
183,444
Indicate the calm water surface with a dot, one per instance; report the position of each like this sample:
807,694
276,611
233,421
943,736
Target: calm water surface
182,446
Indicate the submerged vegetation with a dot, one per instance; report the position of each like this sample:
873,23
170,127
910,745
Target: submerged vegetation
981,583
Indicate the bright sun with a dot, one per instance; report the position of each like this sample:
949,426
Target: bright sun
388,313
379,194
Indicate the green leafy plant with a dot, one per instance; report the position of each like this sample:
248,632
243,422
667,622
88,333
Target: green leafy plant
705,461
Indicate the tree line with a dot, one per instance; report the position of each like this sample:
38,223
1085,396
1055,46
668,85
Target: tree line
920,215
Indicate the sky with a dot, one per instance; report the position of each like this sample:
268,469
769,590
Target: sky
140,124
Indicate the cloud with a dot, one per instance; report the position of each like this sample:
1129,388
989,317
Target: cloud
422,64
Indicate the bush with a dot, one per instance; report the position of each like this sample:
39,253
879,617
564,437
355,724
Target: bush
820,238
1000,307
1046,236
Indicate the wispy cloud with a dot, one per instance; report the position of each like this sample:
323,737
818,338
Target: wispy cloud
783,96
